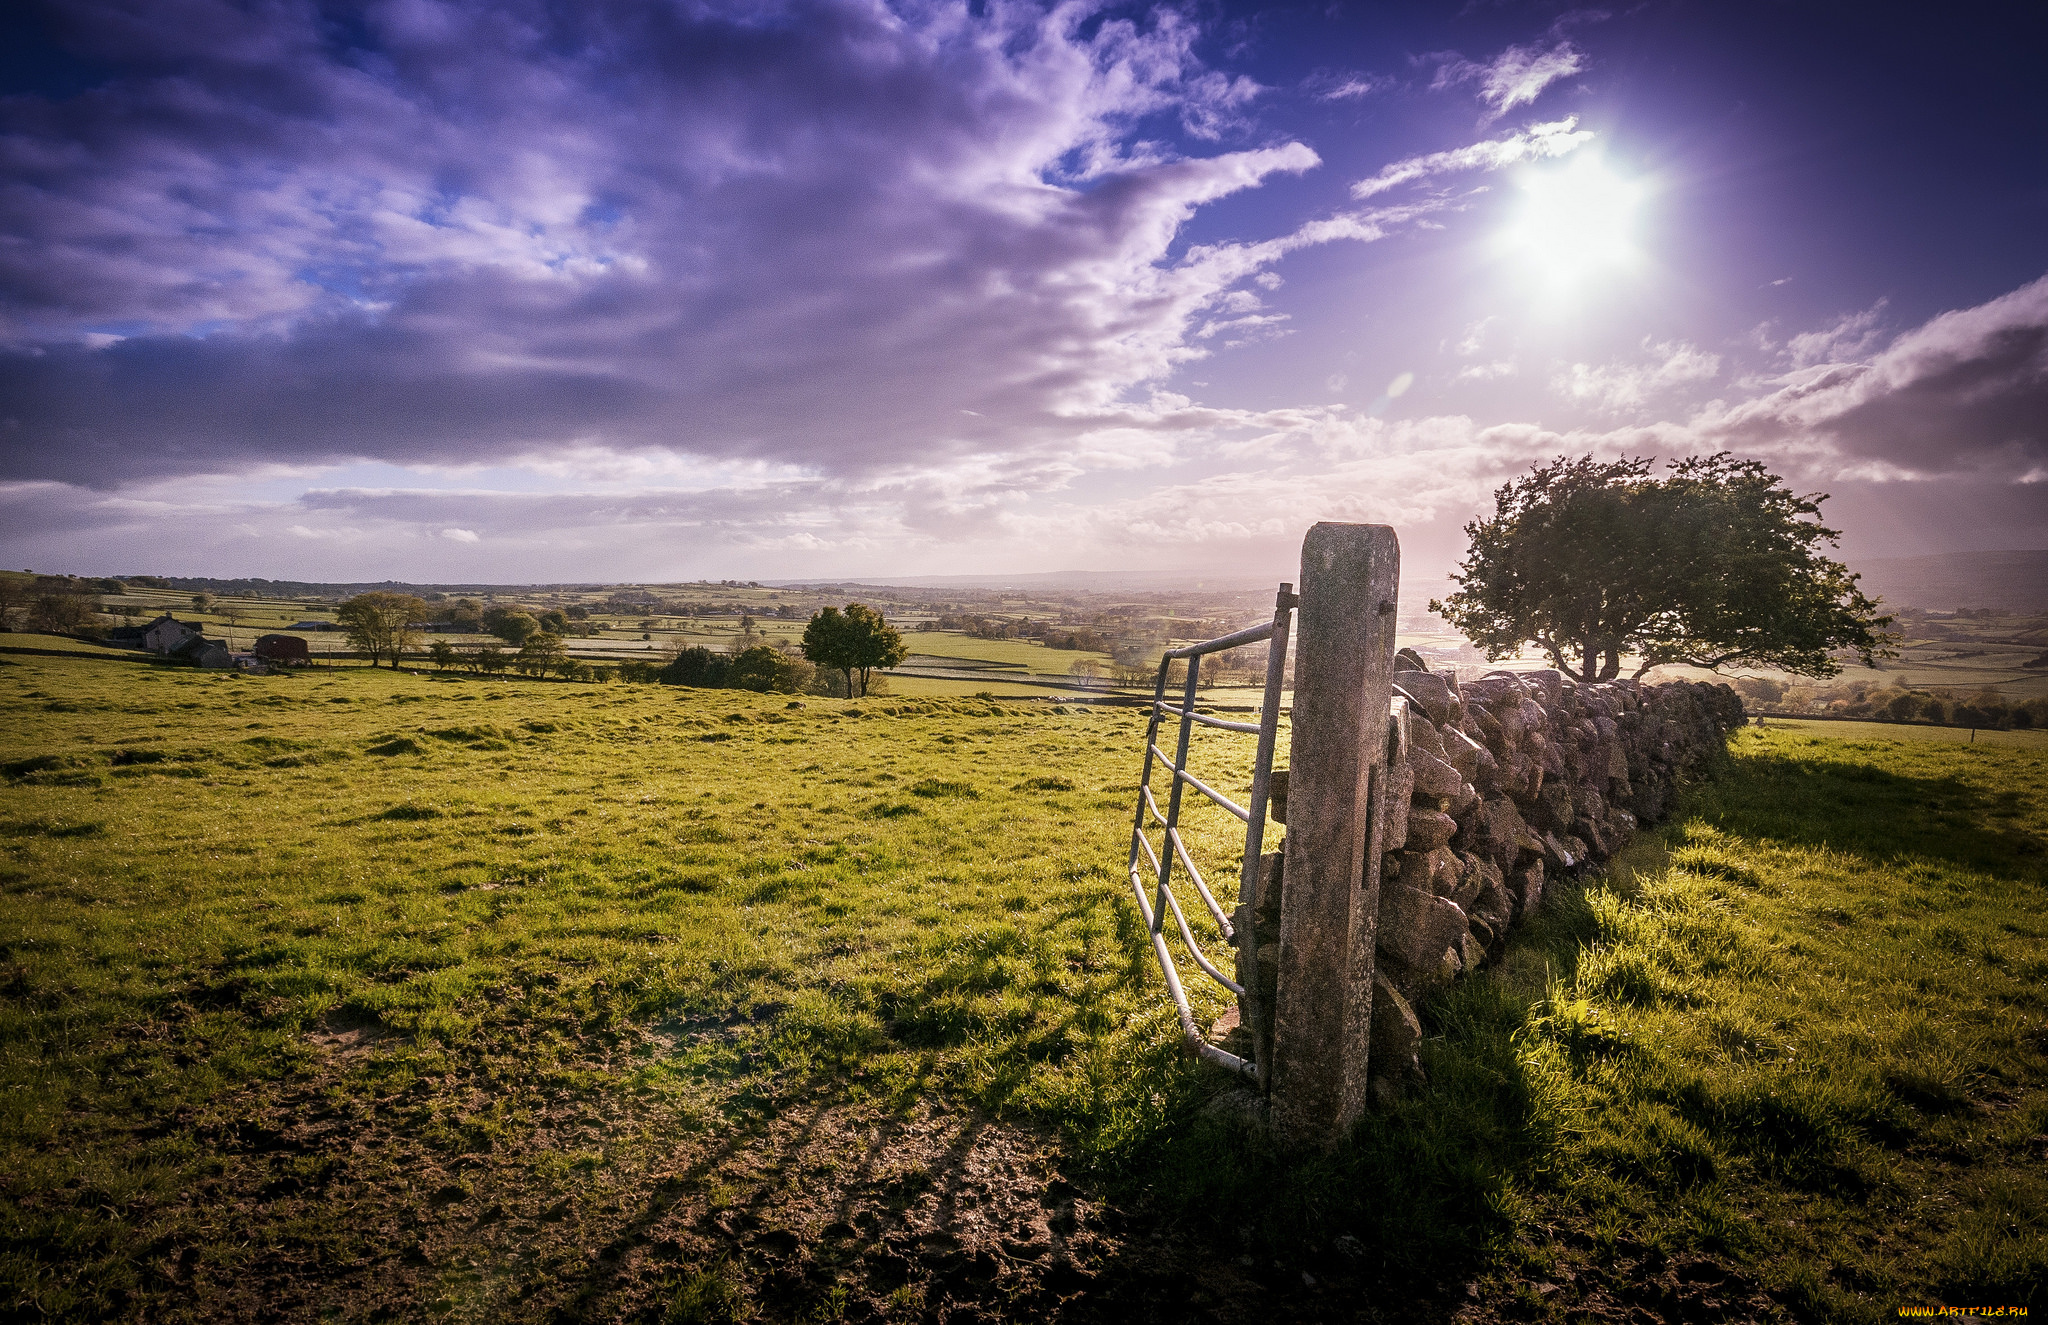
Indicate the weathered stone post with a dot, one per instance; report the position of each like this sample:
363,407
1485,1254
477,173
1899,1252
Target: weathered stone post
1329,905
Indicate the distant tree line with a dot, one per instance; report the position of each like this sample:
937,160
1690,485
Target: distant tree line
1935,706
853,643
1050,634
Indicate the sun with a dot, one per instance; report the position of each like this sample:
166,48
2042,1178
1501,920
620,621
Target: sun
1575,220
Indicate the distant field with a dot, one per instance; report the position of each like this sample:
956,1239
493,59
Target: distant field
1904,731
899,684
359,995
59,644
1027,654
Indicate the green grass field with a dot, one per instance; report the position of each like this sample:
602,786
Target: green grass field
355,995
12,640
1910,732
1028,655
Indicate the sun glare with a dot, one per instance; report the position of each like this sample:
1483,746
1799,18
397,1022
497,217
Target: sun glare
1575,220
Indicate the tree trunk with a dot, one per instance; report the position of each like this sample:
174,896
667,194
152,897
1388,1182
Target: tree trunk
1611,668
1590,660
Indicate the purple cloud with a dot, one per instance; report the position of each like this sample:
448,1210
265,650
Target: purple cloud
1965,392
823,234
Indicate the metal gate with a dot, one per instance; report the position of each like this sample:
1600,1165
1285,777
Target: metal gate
1172,847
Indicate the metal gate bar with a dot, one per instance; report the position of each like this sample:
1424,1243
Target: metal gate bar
1254,818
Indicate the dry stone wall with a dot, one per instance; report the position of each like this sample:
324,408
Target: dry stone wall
1496,788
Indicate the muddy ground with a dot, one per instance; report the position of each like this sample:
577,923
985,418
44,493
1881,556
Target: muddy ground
482,1195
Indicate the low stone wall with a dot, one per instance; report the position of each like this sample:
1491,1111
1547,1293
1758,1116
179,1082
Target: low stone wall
1497,787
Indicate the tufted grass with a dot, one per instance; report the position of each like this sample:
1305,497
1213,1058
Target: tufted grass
1798,1033
205,876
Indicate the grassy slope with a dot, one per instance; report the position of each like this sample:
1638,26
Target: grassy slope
11,640
211,882
1789,1061
295,981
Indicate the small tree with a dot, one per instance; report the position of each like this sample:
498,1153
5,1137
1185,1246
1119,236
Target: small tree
443,653
10,601
383,625
853,642
513,625
60,613
1715,565
539,655
696,666
766,668
484,659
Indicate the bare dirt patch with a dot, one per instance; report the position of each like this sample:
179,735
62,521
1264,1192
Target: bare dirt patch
480,1194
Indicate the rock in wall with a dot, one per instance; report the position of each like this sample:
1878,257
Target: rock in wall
1515,780
1496,788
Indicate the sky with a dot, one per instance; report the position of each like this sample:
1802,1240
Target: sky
501,291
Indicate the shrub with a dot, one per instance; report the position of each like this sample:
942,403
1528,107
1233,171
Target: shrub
696,666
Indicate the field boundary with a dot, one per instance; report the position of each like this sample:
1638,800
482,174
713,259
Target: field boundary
1884,722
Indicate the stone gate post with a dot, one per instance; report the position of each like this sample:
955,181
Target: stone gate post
1329,902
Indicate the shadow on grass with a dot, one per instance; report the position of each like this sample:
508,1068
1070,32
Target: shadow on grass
1845,804
1423,1198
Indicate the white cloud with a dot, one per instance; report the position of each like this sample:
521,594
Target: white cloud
1853,336
460,535
1625,386
1515,77
1351,87
1474,338
1536,142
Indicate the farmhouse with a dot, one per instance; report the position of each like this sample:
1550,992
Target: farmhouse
204,653
167,634
287,649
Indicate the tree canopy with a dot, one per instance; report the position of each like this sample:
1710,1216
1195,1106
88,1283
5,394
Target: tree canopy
514,625
381,624
540,654
1715,564
853,642
764,667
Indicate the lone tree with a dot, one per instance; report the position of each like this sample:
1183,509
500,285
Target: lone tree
381,624
1714,565
857,640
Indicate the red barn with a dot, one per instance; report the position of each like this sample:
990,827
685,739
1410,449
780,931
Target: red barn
287,649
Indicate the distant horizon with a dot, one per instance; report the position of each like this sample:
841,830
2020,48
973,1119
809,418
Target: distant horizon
1869,568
